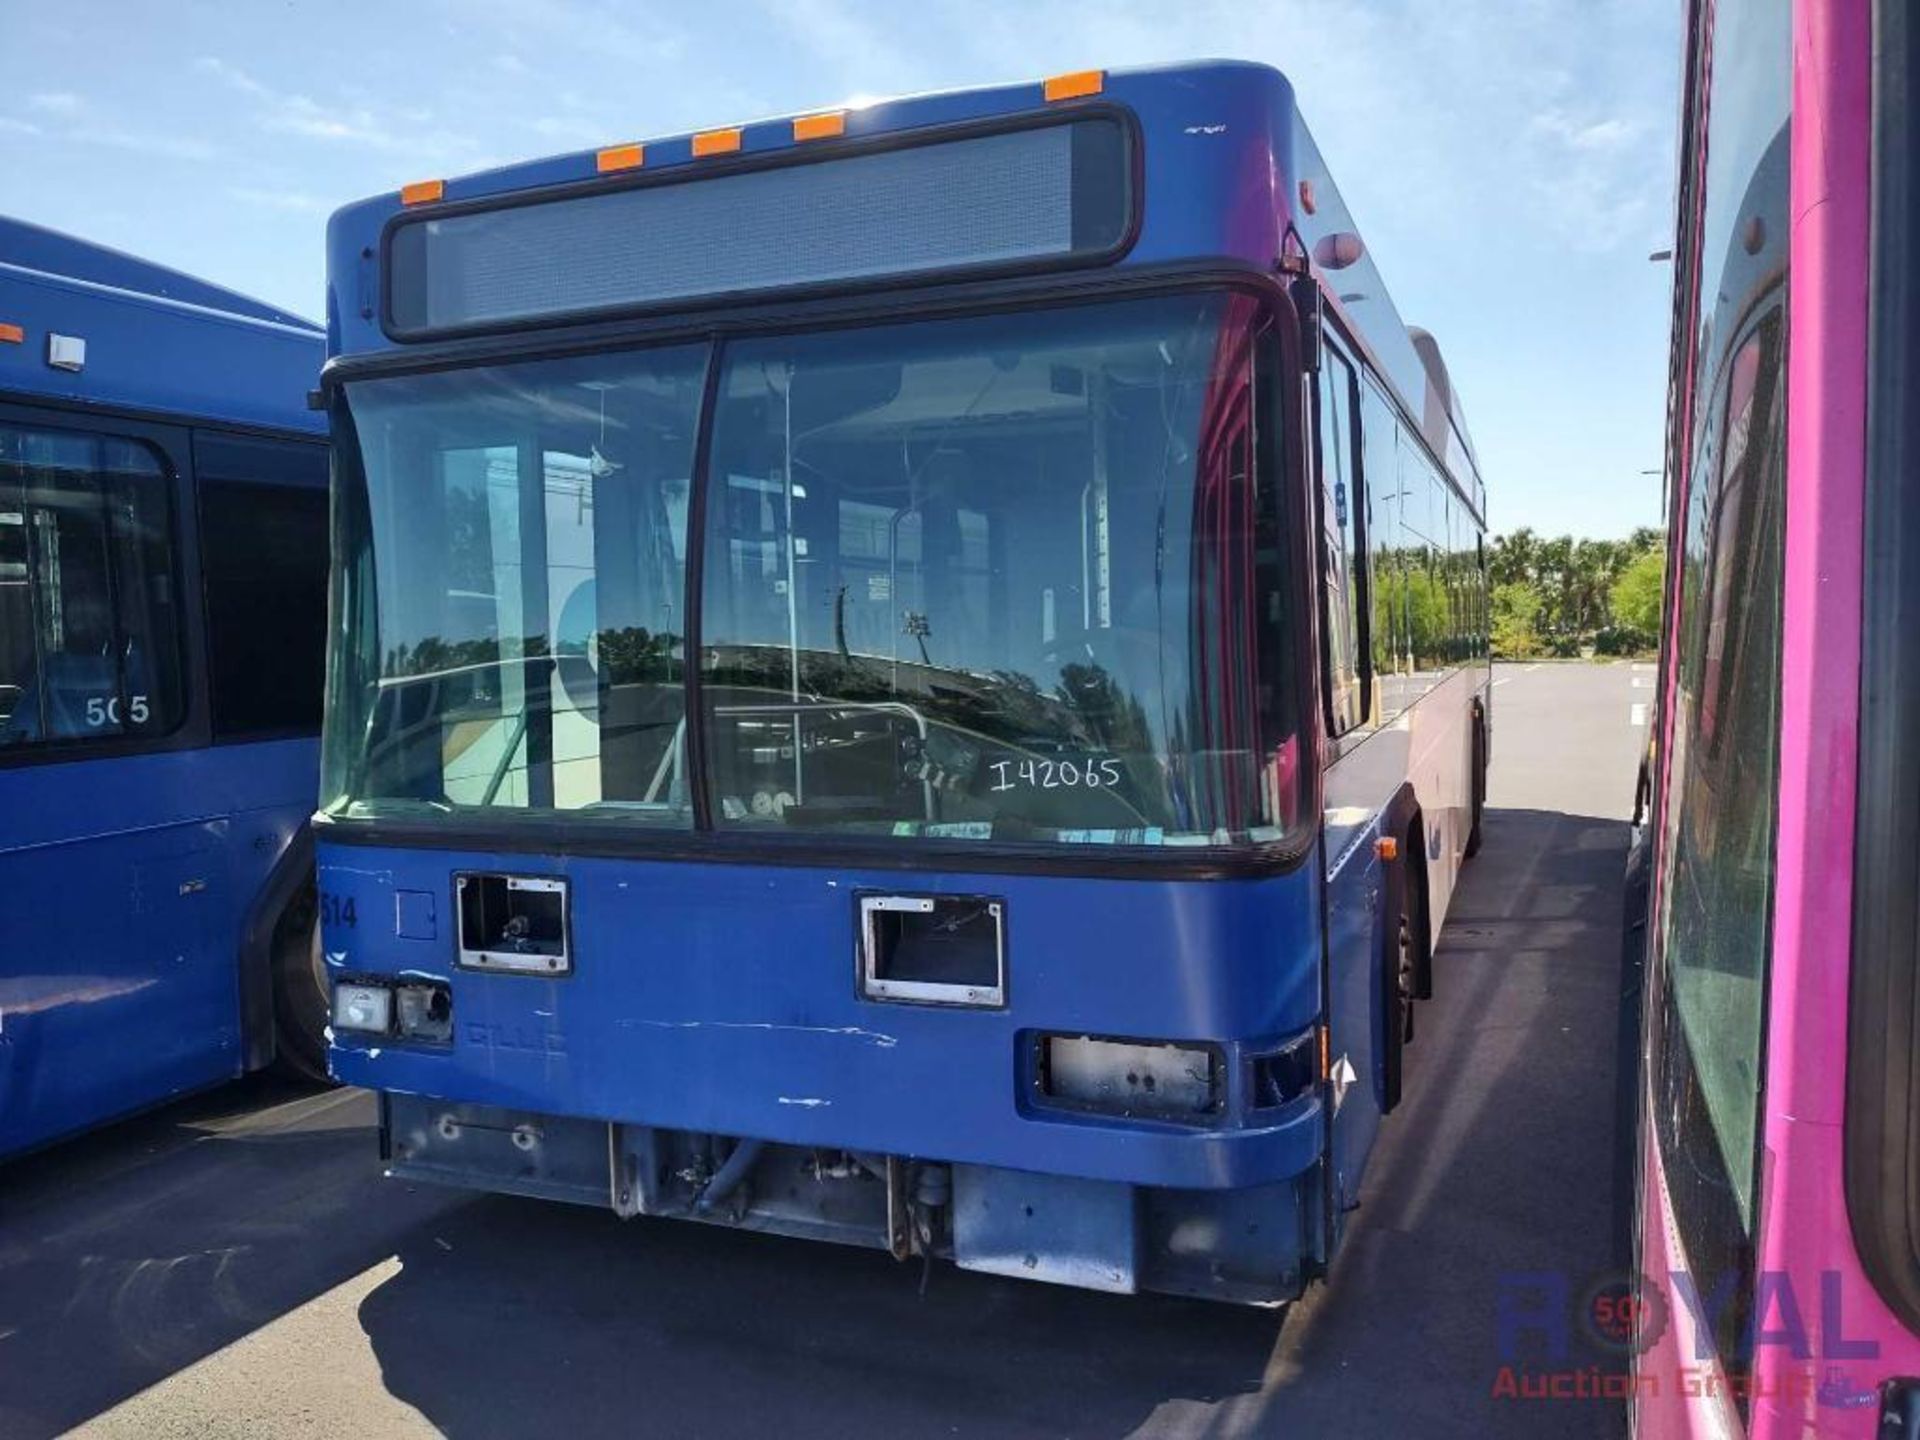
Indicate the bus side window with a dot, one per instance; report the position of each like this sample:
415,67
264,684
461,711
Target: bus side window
89,630
263,551
1380,465
1480,621
1456,580
1418,487
1346,707
1715,907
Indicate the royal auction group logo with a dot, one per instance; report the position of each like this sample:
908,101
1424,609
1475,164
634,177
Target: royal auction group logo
1547,1324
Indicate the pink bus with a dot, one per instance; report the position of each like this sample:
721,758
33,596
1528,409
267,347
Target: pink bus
1778,1225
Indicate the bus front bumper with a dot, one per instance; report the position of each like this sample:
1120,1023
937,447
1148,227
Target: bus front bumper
1249,1245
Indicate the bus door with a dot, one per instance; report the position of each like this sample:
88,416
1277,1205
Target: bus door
116,980
1357,994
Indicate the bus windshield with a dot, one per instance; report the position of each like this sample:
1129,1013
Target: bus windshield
1009,577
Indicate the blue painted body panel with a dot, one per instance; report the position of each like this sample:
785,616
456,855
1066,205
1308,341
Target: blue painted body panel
158,342
722,998
129,881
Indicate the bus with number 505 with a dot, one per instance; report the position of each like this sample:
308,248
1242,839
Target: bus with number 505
912,675
163,536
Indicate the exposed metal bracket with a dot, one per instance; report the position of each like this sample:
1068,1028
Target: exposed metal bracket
899,1210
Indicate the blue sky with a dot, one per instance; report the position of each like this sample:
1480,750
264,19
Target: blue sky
1510,162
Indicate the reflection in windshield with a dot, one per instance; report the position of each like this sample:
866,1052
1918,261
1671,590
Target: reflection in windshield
515,589
1005,577
990,578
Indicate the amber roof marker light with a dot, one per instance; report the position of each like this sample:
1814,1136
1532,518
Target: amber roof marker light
422,192
620,157
715,142
1075,85
820,127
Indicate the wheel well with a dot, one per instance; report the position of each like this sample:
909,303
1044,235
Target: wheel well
298,907
1416,862
1405,822
1405,878
292,878
1417,854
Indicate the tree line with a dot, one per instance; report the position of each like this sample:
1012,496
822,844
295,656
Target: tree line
1568,597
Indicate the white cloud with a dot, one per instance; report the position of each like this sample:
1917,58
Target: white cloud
233,75
1613,133
1588,177
296,202
835,39
66,116
569,130
599,27
353,119
146,142
299,115
1606,135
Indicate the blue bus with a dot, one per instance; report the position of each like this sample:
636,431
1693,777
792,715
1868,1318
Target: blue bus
163,531
914,676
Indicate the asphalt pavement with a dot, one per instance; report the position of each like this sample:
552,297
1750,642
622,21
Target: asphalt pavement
235,1264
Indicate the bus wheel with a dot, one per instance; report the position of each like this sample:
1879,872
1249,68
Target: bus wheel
1399,998
1420,934
1477,777
300,1010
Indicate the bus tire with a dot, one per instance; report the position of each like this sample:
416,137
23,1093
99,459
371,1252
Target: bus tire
300,1009
1397,993
1417,908
1477,778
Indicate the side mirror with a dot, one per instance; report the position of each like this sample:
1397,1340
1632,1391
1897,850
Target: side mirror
1305,291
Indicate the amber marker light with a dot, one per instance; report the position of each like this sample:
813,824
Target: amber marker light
12,335
1075,84
820,127
422,192
715,142
620,157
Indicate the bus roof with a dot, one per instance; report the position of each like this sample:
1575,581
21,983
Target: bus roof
1228,172
153,341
